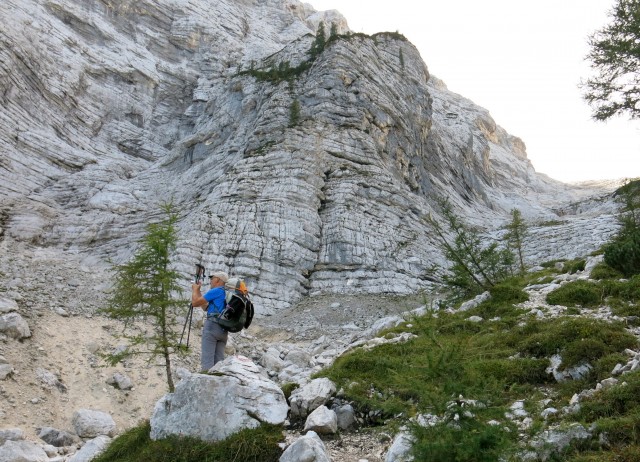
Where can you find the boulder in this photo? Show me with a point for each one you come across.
(235, 396)
(310, 396)
(89, 423)
(57, 438)
(346, 416)
(14, 326)
(22, 451)
(11, 434)
(322, 420)
(7, 305)
(307, 448)
(5, 371)
(91, 449)
(400, 448)
(120, 381)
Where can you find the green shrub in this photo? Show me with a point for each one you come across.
(621, 429)
(604, 271)
(616, 401)
(468, 440)
(576, 339)
(623, 254)
(573, 266)
(288, 388)
(629, 453)
(581, 293)
(508, 292)
(250, 445)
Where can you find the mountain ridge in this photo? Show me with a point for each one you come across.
(111, 109)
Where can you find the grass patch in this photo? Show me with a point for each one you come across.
(493, 363)
(465, 439)
(577, 340)
(574, 293)
(615, 414)
(250, 445)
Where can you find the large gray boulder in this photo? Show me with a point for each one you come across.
(212, 407)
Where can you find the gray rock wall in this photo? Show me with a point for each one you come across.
(111, 109)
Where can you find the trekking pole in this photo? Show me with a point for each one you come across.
(199, 276)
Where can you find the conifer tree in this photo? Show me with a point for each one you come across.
(623, 252)
(476, 263)
(516, 233)
(333, 33)
(142, 296)
(320, 41)
(615, 55)
(294, 113)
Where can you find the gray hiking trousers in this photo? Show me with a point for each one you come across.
(214, 340)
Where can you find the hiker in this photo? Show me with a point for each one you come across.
(214, 337)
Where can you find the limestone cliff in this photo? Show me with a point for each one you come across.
(303, 172)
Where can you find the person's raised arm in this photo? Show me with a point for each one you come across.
(196, 297)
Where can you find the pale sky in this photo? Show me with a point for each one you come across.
(522, 61)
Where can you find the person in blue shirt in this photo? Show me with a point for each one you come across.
(214, 337)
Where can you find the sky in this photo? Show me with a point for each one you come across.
(522, 61)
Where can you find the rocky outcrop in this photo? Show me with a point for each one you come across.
(213, 407)
(303, 174)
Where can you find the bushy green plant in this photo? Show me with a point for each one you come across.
(623, 252)
(577, 340)
(249, 445)
(508, 292)
(580, 292)
(573, 266)
(604, 271)
(476, 265)
(464, 440)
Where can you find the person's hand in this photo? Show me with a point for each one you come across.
(196, 286)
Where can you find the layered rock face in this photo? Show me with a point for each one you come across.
(302, 174)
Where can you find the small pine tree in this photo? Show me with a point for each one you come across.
(333, 33)
(516, 233)
(320, 41)
(294, 113)
(143, 291)
(475, 267)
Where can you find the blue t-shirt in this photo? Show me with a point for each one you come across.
(215, 297)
